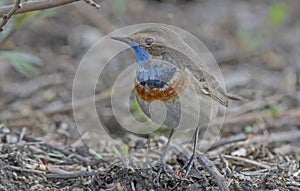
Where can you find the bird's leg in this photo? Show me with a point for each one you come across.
(162, 164)
(192, 159)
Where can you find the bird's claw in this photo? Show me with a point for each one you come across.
(188, 166)
(161, 169)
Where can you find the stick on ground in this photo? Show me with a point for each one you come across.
(212, 170)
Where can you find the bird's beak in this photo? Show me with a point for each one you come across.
(127, 40)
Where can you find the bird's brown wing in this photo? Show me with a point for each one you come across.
(208, 85)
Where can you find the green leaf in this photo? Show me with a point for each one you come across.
(126, 150)
(277, 14)
(94, 153)
(249, 129)
(273, 111)
(22, 62)
(117, 152)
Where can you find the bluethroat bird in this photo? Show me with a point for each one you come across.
(165, 74)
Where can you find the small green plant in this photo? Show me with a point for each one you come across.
(273, 111)
(26, 64)
(95, 154)
(137, 112)
(277, 14)
(117, 152)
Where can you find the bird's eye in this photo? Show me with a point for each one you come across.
(149, 41)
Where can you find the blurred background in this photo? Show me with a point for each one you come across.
(256, 44)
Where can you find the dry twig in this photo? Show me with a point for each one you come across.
(7, 16)
(35, 5)
(249, 161)
(212, 169)
(23, 170)
(6, 12)
(229, 140)
(91, 2)
(73, 175)
(264, 171)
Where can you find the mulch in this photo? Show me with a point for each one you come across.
(243, 164)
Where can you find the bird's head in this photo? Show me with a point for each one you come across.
(155, 78)
(150, 42)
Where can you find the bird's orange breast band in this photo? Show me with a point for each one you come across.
(173, 90)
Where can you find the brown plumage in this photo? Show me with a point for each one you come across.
(169, 69)
(170, 47)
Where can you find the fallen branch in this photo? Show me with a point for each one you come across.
(212, 170)
(34, 6)
(6, 12)
(249, 161)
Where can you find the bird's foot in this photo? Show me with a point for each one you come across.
(188, 166)
(162, 168)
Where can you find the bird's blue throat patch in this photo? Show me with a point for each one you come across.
(141, 54)
(154, 75)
